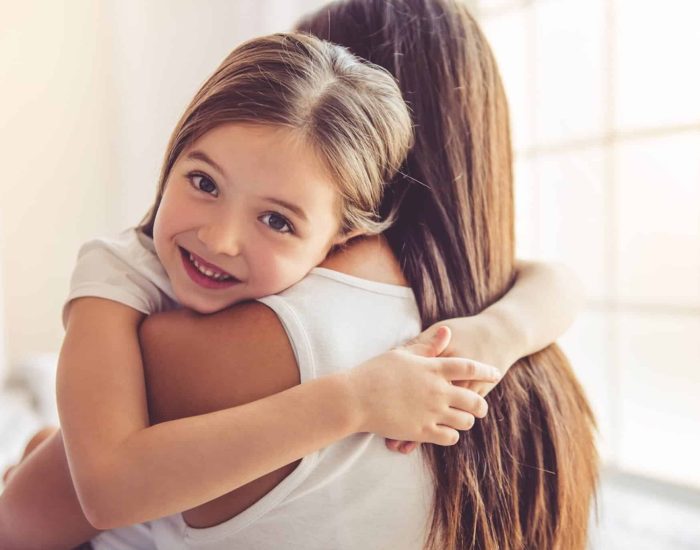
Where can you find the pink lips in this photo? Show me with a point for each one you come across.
(200, 278)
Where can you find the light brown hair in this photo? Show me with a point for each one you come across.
(348, 110)
(525, 476)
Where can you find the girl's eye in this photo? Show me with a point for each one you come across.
(277, 222)
(204, 184)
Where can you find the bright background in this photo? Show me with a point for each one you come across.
(606, 124)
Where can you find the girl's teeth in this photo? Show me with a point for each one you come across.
(208, 272)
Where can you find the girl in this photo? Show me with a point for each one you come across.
(280, 157)
(179, 248)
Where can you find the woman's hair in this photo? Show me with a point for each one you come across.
(350, 111)
(523, 477)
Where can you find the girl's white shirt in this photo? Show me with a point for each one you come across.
(352, 494)
(125, 269)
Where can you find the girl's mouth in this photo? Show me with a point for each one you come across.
(205, 274)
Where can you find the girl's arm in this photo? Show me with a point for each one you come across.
(540, 306)
(538, 309)
(126, 472)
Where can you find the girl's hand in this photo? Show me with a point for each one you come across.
(414, 399)
(471, 337)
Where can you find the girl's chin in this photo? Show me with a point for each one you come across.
(202, 305)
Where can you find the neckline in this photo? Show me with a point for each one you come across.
(367, 284)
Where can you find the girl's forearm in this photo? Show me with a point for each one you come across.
(206, 455)
(541, 305)
(39, 507)
(537, 310)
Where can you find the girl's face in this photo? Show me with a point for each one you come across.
(247, 211)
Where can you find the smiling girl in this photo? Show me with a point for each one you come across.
(280, 157)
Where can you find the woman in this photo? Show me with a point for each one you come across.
(454, 230)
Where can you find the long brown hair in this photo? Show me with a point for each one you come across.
(525, 476)
(350, 111)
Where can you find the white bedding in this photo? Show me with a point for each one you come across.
(18, 422)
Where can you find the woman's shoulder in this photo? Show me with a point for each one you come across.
(240, 354)
(368, 258)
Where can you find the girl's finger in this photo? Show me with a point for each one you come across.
(459, 420)
(444, 435)
(403, 447)
(468, 401)
(454, 368)
(439, 340)
(431, 342)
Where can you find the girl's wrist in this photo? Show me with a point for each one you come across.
(345, 402)
(488, 337)
(504, 340)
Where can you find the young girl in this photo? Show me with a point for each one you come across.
(280, 157)
(311, 415)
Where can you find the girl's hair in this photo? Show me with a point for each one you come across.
(350, 111)
(523, 477)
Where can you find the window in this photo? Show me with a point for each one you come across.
(606, 129)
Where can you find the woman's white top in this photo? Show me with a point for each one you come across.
(354, 494)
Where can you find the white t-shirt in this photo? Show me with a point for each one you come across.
(353, 494)
(124, 269)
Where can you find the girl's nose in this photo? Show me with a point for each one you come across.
(221, 238)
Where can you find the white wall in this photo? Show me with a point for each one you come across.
(90, 92)
(55, 158)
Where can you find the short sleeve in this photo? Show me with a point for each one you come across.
(121, 270)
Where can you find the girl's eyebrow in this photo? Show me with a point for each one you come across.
(200, 155)
(289, 206)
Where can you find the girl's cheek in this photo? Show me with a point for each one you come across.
(172, 212)
(270, 271)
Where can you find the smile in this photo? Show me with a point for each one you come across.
(205, 274)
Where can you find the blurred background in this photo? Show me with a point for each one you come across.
(605, 109)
